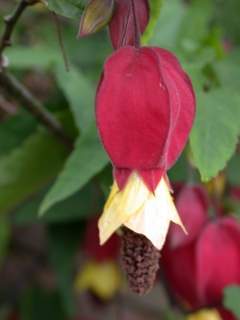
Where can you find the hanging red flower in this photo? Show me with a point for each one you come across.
(199, 271)
(145, 107)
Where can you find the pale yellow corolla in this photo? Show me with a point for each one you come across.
(140, 210)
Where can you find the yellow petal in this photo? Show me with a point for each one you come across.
(140, 210)
(103, 279)
(154, 219)
(121, 205)
(206, 314)
(164, 196)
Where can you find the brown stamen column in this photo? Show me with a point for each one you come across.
(140, 261)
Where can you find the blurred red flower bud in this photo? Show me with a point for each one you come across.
(235, 193)
(218, 259)
(13, 316)
(199, 271)
(96, 15)
(108, 251)
(145, 107)
(226, 315)
(123, 26)
(192, 204)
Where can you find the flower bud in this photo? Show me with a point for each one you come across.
(199, 271)
(218, 259)
(95, 16)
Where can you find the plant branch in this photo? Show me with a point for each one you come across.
(10, 23)
(12, 86)
(60, 41)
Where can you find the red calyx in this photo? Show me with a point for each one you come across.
(145, 107)
(129, 21)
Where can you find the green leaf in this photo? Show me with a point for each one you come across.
(215, 132)
(105, 180)
(28, 168)
(231, 299)
(80, 94)
(14, 130)
(232, 170)
(180, 171)
(168, 24)
(227, 16)
(38, 56)
(228, 71)
(195, 25)
(86, 202)
(5, 234)
(66, 8)
(86, 161)
(155, 9)
(38, 304)
(64, 241)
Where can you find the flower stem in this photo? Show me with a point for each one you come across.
(137, 33)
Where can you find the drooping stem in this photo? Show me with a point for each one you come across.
(12, 86)
(10, 23)
(137, 33)
(60, 41)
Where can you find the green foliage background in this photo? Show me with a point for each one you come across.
(41, 182)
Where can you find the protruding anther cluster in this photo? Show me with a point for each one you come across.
(140, 261)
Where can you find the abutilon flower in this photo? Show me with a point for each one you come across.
(198, 271)
(145, 106)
